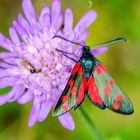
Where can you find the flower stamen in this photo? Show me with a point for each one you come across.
(29, 66)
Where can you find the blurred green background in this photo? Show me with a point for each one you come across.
(116, 18)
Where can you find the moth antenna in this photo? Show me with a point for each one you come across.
(57, 36)
(96, 45)
(111, 42)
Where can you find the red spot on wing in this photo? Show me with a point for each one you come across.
(99, 71)
(93, 91)
(65, 107)
(71, 82)
(116, 105)
(82, 90)
(80, 71)
(84, 83)
(103, 67)
(111, 82)
(76, 68)
(74, 91)
(119, 97)
(107, 90)
(64, 98)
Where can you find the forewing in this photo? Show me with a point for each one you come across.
(73, 94)
(112, 96)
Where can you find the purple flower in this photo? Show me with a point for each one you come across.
(32, 66)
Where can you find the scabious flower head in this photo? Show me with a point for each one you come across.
(32, 66)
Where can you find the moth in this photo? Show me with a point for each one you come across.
(91, 78)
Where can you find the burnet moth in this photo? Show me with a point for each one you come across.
(90, 77)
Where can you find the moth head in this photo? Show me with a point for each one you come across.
(86, 49)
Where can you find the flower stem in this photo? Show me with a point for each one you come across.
(98, 135)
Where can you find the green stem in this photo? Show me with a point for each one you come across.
(98, 135)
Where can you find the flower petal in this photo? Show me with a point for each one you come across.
(46, 23)
(67, 121)
(34, 112)
(42, 19)
(44, 110)
(17, 94)
(68, 20)
(5, 42)
(7, 55)
(45, 10)
(85, 21)
(59, 22)
(29, 11)
(82, 36)
(24, 24)
(3, 73)
(78, 51)
(12, 61)
(5, 82)
(14, 36)
(20, 30)
(55, 12)
(4, 98)
(5, 65)
(99, 51)
(26, 97)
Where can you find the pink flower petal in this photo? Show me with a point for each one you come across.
(44, 110)
(3, 73)
(45, 11)
(85, 21)
(23, 23)
(4, 98)
(12, 61)
(34, 112)
(59, 22)
(99, 51)
(7, 55)
(5, 65)
(17, 94)
(67, 121)
(55, 12)
(5, 82)
(14, 36)
(29, 11)
(46, 22)
(5, 42)
(26, 97)
(68, 20)
(20, 30)
(83, 36)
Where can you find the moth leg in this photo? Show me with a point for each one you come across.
(69, 55)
